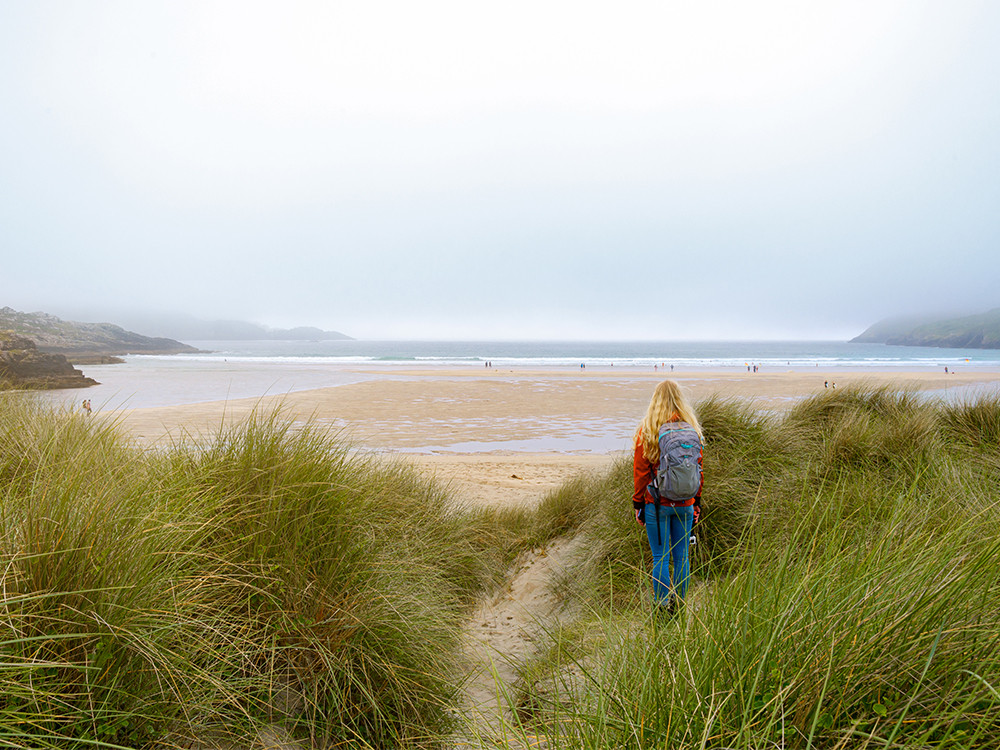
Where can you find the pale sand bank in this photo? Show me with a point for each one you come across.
(509, 436)
(520, 479)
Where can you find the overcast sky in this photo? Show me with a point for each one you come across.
(542, 169)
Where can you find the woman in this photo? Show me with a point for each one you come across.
(669, 527)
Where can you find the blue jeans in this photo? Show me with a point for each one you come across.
(675, 531)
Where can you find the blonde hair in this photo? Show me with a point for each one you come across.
(668, 402)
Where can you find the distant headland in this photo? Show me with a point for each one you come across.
(38, 350)
(189, 328)
(84, 343)
(980, 331)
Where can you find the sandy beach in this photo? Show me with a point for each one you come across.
(510, 435)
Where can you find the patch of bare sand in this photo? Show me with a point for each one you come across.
(520, 480)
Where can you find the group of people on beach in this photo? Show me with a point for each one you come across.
(86, 405)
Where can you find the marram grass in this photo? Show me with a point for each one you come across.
(846, 592)
(159, 599)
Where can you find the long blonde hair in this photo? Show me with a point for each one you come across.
(667, 403)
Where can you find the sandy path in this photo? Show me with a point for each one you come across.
(501, 636)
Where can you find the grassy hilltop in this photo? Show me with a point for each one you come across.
(970, 332)
(271, 583)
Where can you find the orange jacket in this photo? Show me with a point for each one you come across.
(642, 476)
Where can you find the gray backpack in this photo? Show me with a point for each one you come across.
(678, 476)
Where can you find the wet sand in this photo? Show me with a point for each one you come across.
(509, 436)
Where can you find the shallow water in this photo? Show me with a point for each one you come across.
(142, 382)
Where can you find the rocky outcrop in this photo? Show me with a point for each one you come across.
(23, 366)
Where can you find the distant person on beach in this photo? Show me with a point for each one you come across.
(668, 527)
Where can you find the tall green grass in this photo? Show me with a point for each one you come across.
(270, 576)
(845, 588)
(847, 591)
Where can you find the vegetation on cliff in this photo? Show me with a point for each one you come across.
(980, 331)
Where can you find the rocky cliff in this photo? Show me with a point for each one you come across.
(84, 342)
(23, 366)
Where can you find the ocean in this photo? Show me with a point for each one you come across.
(691, 355)
(226, 370)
